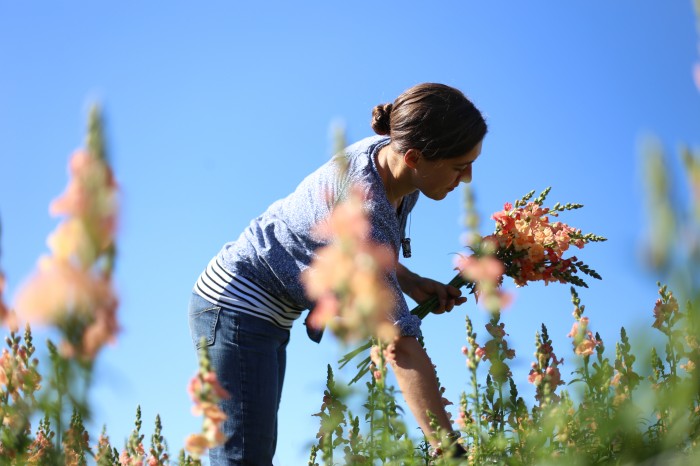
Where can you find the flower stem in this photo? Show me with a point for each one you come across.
(422, 310)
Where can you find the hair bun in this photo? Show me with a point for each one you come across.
(381, 119)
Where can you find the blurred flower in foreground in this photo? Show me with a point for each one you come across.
(486, 272)
(206, 393)
(665, 312)
(71, 288)
(4, 310)
(347, 277)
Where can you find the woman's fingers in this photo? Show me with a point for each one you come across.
(447, 296)
(442, 297)
(455, 298)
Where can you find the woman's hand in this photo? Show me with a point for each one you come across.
(421, 288)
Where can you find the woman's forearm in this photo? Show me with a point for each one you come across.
(416, 377)
(406, 278)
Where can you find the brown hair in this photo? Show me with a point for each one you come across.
(434, 118)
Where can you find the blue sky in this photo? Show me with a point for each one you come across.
(216, 109)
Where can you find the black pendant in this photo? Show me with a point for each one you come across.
(406, 247)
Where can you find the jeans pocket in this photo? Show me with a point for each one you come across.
(203, 318)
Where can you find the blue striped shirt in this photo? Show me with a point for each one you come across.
(271, 253)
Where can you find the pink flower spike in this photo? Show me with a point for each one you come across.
(327, 308)
(213, 381)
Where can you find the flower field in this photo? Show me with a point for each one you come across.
(622, 398)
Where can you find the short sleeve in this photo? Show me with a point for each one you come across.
(407, 324)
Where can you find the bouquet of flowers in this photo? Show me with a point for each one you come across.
(526, 246)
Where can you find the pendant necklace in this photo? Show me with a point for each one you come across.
(406, 242)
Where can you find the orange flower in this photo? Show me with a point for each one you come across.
(663, 311)
(100, 332)
(213, 433)
(71, 240)
(72, 287)
(534, 377)
(330, 270)
(213, 381)
(347, 276)
(479, 269)
(58, 287)
(90, 191)
(196, 444)
(584, 342)
(688, 367)
(4, 311)
(325, 310)
(347, 220)
(206, 392)
(527, 228)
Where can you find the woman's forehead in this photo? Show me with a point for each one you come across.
(469, 157)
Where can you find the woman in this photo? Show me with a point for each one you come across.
(246, 300)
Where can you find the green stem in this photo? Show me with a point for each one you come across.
(348, 357)
(501, 408)
(672, 353)
(371, 408)
(428, 306)
(477, 416)
(422, 310)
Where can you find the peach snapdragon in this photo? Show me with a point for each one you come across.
(533, 247)
(71, 287)
(347, 278)
(665, 312)
(583, 340)
(206, 393)
(4, 309)
(545, 374)
(486, 272)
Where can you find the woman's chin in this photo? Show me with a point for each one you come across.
(437, 196)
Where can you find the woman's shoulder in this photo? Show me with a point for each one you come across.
(367, 145)
(360, 155)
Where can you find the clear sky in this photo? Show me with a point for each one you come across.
(215, 109)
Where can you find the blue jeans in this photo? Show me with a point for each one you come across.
(249, 356)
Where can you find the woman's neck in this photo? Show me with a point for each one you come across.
(394, 174)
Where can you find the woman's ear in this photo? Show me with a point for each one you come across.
(411, 158)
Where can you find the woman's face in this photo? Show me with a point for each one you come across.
(435, 179)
